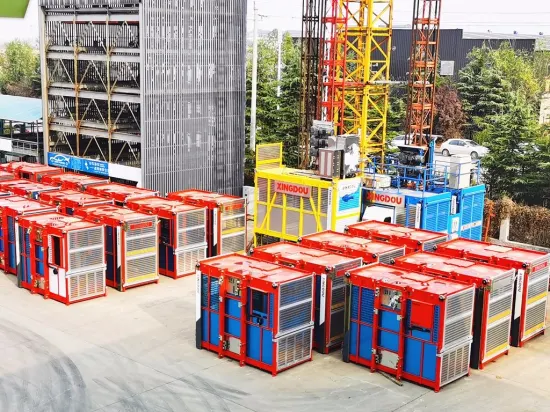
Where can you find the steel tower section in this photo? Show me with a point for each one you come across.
(155, 89)
(423, 71)
(357, 70)
(311, 43)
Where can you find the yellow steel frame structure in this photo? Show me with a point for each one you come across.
(366, 53)
(321, 207)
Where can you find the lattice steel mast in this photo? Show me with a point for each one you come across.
(423, 72)
(312, 36)
(356, 69)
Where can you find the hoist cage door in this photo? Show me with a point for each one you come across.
(141, 251)
(85, 264)
(190, 240)
(233, 231)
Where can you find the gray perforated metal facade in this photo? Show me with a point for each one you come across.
(151, 84)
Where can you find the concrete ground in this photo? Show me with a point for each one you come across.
(134, 352)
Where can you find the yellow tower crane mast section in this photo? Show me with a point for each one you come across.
(356, 71)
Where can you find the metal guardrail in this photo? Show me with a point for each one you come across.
(25, 148)
(425, 178)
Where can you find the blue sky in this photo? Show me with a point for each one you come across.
(499, 16)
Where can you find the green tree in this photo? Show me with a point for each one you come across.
(397, 113)
(20, 70)
(276, 116)
(289, 102)
(484, 90)
(514, 166)
(517, 67)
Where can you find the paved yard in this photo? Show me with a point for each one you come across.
(134, 352)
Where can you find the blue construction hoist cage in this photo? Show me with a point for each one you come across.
(441, 196)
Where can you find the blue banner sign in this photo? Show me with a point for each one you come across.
(95, 167)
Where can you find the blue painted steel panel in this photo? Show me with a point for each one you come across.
(232, 308)
(27, 273)
(1, 239)
(436, 324)
(267, 347)
(294, 293)
(204, 291)
(472, 201)
(233, 327)
(11, 246)
(388, 320)
(214, 295)
(162, 256)
(271, 309)
(424, 335)
(353, 343)
(39, 253)
(367, 305)
(214, 329)
(204, 325)
(170, 252)
(355, 302)
(389, 341)
(365, 342)
(253, 334)
(413, 355)
(429, 362)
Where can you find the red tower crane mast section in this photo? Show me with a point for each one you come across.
(423, 72)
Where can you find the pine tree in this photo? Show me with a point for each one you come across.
(483, 89)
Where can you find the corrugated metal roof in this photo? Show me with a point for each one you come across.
(20, 109)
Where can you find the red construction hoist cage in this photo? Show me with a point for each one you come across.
(70, 200)
(182, 234)
(226, 225)
(6, 176)
(13, 166)
(73, 181)
(12, 209)
(37, 173)
(120, 193)
(411, 325)
(329, 270)
(493, 299)
(255, 312)
(531, 283)
(131, 245)
(369, 250)
(30, 190)
(62, 257)
(414, 240)
(423, 72)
